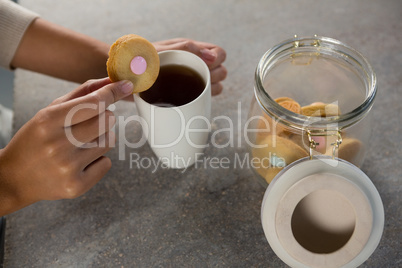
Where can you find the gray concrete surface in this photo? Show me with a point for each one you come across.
(6, 88)
(203, 217)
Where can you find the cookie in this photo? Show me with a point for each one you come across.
(320, 109)
(350, 149)
(269, 124)
(269, 173)
(289, 103)
(133, 58)
(265, 125)
(299, 137)
(277, 153)
(281, 99)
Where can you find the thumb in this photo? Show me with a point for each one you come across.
(101, 98)
(114, 92)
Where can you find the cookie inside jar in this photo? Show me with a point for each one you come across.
(310, 100)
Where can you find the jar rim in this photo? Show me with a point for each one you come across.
(298, 121)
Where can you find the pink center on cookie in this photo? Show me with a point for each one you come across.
(138, 65)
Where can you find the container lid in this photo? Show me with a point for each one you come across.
(322, 212)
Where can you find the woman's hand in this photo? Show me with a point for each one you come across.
(213, 56)
(59, 152)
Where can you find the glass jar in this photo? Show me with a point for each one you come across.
(312, 97)
(309, 128)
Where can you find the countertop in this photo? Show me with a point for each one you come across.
(204, 216)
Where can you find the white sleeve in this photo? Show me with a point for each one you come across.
(14, 21)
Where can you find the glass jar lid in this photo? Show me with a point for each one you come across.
(322, 211)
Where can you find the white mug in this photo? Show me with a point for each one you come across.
(178, 135)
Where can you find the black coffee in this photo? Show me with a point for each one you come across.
(176, 85)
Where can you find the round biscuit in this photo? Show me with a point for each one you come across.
(123, 51)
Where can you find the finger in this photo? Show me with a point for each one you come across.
(186, 45)
(220, 57)
(174, 41)
(129, 98)
(93, 128)
(83, 108)
(91, 175)
(218, 74)
(216, 89)
(212, 54)
(82, 90)
(191, 46)
(168, 42)
(95, 149)
(89, 87)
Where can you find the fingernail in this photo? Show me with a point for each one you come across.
(126, 86)
(208, 54)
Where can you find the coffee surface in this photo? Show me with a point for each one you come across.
(176, 85)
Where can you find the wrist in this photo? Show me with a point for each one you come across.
(9, 196)
(101, 55)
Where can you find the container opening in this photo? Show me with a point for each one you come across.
(323, 221)
(309, 78)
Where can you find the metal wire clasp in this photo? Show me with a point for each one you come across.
(324, 133)
(303, 57)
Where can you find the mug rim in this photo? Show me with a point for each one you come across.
(204, 66)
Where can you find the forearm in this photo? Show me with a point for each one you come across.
(59, 52)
